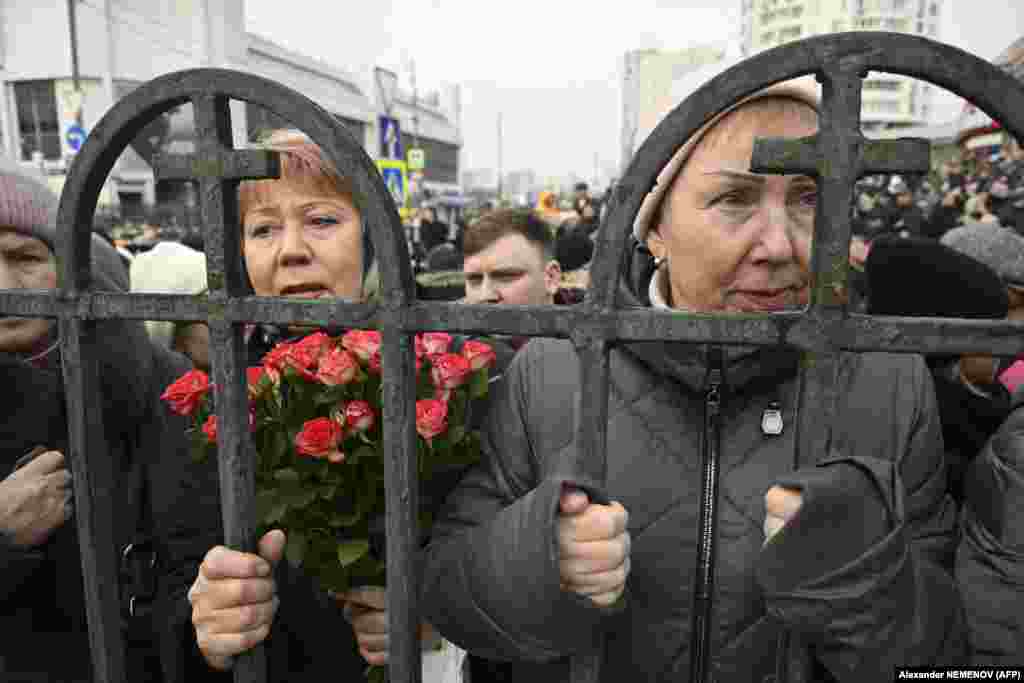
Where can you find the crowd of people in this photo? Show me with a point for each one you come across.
(902, 546)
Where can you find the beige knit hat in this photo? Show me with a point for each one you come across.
(804, 89)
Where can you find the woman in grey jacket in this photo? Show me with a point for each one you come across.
(852, 551)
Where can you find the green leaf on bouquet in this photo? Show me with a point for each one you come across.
(295, 547)
(329, 397)
(351, 551)
(362, 453)
(456, 434)
(478, 385)
(287, 475)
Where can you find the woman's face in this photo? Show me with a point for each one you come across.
(737, 241)
(303, 242)
(25, 263)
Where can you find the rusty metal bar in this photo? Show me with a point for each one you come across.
(218, 199)
(94, 473)
(398, 362)
(589, 466)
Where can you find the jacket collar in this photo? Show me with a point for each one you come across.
(688, 363)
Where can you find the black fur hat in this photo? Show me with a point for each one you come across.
(919, 277)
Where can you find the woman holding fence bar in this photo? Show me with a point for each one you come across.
(42, 603)
(852, 550)
(302, 236)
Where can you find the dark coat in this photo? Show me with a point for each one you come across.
(869, 585)
(43, 604)
(990, 558)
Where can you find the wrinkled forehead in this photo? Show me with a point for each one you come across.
(511, 251)
(735, 133)
(263, 195)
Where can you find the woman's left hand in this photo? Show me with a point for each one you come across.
(781, 505)
(366, 609)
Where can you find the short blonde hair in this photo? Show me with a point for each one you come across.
(302, 163)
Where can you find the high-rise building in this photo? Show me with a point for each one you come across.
(647, 79)
(889, 100)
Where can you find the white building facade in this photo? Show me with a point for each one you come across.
(889, 100)
(123, 43)
(647, 78)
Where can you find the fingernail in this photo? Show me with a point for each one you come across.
(263, 569)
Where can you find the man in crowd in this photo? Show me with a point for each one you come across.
(509, 258)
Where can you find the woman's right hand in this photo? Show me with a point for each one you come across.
(35, 500)
(234, 600)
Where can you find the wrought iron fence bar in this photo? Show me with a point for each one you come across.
(589, 467)
(856, 332)
(218, 201)
(94, 473)
(401, 485)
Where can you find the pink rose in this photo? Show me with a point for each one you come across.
(337, 366)
(187, 392)
(318, 437)
(210, 429)
(450, 370)
(363, 343)
(431, 418)
(313, 346)
(286, 355)
(479, 355)
(436, 343)
(359, 416)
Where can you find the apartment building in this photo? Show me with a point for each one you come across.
(889, 100)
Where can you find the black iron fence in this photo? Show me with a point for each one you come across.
(837, 155)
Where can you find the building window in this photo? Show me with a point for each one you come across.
(899, 5)
(882, 85)
(838, 26)
(933, 9)
(768, 37)
(37, 119)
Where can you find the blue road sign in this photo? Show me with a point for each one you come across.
(395, 174)
(75, 136)
(390, 139)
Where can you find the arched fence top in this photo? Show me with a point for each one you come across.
(201, 87)
(829, 57)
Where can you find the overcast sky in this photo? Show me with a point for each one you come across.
(551, 67)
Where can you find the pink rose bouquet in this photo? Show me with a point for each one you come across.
(315, 414)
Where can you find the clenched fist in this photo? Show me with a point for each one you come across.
(593, 547)
(234, 600)
(35, 499)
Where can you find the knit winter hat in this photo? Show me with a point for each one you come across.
(802, 89)
(28, 206)
(168, 268)
(999, 248)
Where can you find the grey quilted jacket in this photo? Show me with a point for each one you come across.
(862, 574)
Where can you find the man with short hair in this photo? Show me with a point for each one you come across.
(508, 258)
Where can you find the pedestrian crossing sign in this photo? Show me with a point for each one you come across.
(396, 177)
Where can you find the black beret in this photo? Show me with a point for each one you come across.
(920, 277)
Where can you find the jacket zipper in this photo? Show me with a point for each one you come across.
(704, 588)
